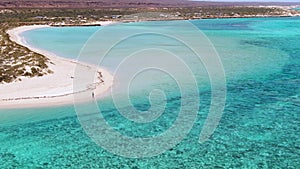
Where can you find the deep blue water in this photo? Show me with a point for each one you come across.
(259, 128)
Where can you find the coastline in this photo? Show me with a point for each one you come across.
(54, 89)
(96, 23)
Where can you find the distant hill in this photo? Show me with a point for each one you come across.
(123, 3)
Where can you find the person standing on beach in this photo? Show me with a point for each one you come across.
(93, 95)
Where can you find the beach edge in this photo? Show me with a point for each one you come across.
(31, 97)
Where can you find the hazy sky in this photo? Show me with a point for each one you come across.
(255, 0)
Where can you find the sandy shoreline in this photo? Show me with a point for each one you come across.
(54, 89)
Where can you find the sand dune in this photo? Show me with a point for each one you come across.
(53, 89)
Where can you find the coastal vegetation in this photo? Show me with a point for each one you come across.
(48, 16)
(17, 62)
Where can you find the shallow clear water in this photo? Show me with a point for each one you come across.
(259, 128)
(297, 9)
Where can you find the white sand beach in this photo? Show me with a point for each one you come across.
(104, 23)
(54, 89)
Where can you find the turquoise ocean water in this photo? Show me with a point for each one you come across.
(259, 128)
